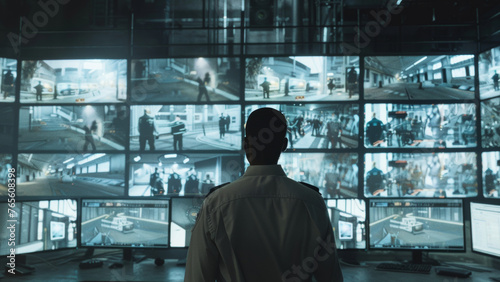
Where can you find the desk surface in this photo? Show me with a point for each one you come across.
(146, 270)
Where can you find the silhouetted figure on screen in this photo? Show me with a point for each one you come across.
(495, 78)
(248, 230)
(266, 88)
(192, 182)
(352, 81)
(89, 139)
(222, 126)
(174, 184)
(374, 130)
(374, 180)
(146, 131)
(202, 90)
(178, 130)
(228, 122)
(156, 183)
(8, 84)
(287, 87)
(39, 90)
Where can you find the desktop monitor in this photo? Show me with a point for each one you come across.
(348, 217)
(184, 212)
(485, 228)
(417, 225)
(38, 226)
(125, 223)
(419, 77)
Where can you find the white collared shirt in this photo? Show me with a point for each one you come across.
(263, 227)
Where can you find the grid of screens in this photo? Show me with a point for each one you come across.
(485, 228)
(417, 224)
(139, 223)
(359, 126)
(38, 226)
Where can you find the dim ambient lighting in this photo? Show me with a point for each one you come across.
(68, 160)
(91, 158)
(138, 158)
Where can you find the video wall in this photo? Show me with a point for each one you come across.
(358, 127)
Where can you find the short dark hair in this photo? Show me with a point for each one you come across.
(268, 128)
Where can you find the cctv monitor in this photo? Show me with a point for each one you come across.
(348, 217)
(491, 174)
(34, 226)
(485, 228)
(318, 126)
(184, 212)
(443, 77)
(185, 80)
(421, 175)
(73, 81)
(97, 174)
(489, 73)
(180, 174)
(302, 78)
(417, 225)
(125, 223)
(490, 127)
(8, 71)
(420, 126)
(185, 127)
(83, 129)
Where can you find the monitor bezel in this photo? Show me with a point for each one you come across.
(492, 203)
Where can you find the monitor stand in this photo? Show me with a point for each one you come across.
(128, 256)
(417, 258)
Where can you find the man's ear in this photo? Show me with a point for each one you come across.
(285, 145)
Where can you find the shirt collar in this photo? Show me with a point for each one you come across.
(263, 170)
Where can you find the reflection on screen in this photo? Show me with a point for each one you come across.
(417, 224)
(485, 228)
(348, 222)
(124, 223)
(39, 226)
(430, 175)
